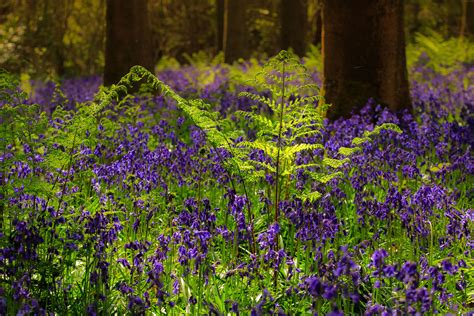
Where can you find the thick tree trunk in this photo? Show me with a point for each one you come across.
(364, 55)
(235, 41)
(294, 25)
(128, 40)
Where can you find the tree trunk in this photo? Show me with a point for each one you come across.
(128, 40)
(364, 55)
(470, 18)
(235, 41)
(294, 25)
(5, 9)
(412, 21)
(467, 19)
(319, 28)
(220, 25)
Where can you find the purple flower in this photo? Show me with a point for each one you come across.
(408, 273)
(378, 257)
(176, 287)
(125, 289)
(448, 267)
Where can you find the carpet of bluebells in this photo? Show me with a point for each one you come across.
(139, 217)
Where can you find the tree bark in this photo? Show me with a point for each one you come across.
(235, 41)
(364, 55)
(220, 25)
(128, 40)
(412, 11)
(5, 9)
(467, 19)
(319, 28)
(470, 18)
(294, 25)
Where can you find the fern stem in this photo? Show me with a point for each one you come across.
(249, 210)
(282, 105)
(277, 182)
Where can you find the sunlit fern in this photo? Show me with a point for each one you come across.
(295, 116)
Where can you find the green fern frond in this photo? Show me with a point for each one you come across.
(269, 148)
(323, 177)
(312, 196)
(258, 98)
(264, 122)
(347, 151)
(384, 126)
(265, 165)
(335, 163)
(307, 165)
(289, 151)
(296, 115)
(358, 141)
(305, 134)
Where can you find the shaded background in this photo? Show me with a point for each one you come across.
(50, 39)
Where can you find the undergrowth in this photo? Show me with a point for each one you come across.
(111, 208)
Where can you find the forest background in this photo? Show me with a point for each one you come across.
(51, 39)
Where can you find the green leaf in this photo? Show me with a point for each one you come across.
(312, 196)
(335, 163)
(358, 141)
(346, 151)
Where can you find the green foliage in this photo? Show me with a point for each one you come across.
(285, 91)
(429, 49)
(314, 58)
(240, 74)
(9, 88)
(357, 141)
(440, 54)
(287, 123)
(292, 101)
(23, 127)
(48, 39)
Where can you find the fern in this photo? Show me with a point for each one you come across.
(292, 99)
(367, 136)
(440, 54)
(295, 109)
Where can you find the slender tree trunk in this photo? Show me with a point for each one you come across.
(128, 40)
(463, 19)
(235, 41)
(294, 25)
(467, 19)
(470, 18)
(64, 8)
(5, 9)
(220, 25)
(364, 55)
(412, 11)
(319, 28)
